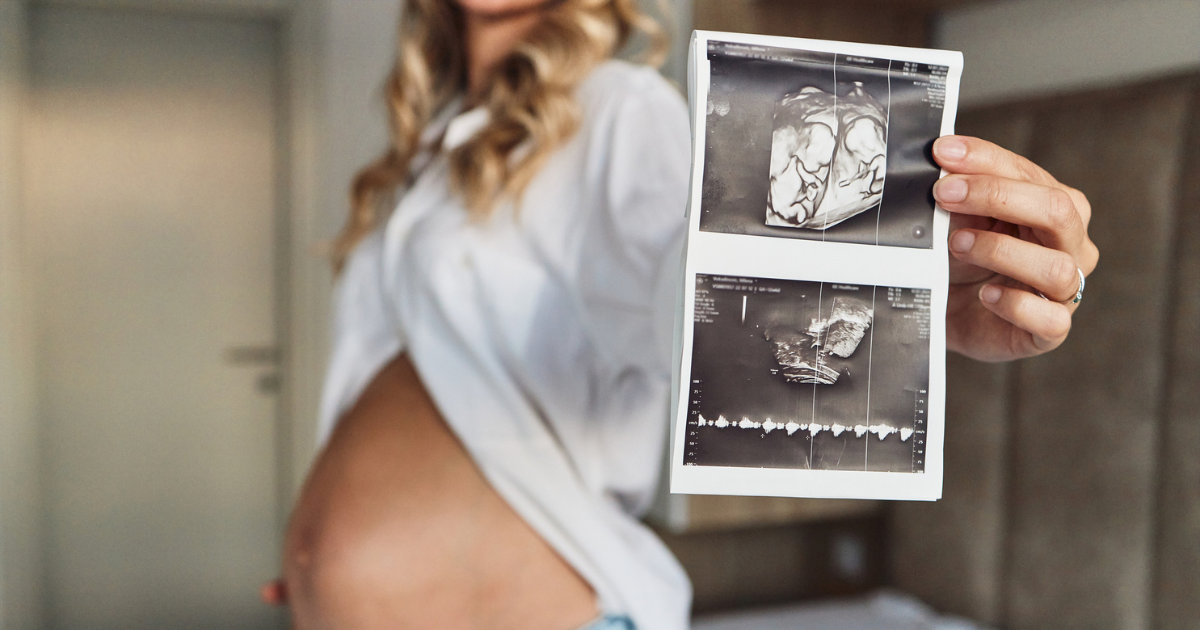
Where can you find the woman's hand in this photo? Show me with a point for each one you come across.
(1015, 232)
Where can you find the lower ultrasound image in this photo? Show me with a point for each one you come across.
(808, 375)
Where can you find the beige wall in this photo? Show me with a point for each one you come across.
(1023, 48)
(20, 567)
(340, 54)
(358, 50)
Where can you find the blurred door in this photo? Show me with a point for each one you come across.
(151, 170)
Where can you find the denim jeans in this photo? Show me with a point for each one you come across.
(610, 622)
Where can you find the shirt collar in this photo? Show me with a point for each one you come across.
(462, 127)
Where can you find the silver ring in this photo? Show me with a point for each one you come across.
(1078, 292)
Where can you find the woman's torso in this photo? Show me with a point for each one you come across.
(539, 332)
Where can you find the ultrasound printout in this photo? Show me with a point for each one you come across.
(811, 349)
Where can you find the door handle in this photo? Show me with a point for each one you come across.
(268, 383)
(253, 355)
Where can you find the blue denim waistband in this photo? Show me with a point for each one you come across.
(611, 622)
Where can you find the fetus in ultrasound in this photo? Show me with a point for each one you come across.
(828, 158)
(805, 356)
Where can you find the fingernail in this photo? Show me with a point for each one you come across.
(990, 294)
(950, 190)
(962, 241)
(950, 148)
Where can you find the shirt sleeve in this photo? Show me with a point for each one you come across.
(632, 256)
(365, 334)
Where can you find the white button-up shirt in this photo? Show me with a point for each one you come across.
(543, 332)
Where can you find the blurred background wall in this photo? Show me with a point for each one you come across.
(1072, 492)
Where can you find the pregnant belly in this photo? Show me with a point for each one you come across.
(396, 528)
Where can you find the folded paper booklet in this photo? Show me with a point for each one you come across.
(811, 354)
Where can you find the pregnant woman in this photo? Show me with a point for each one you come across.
(495, 407)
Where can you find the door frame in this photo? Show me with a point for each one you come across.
(303, 278)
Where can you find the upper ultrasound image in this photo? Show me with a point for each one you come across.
(820, 146)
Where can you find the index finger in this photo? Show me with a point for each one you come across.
(971, 156)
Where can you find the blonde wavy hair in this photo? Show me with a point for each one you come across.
(529, 98)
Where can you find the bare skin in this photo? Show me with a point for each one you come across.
(396, 528)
